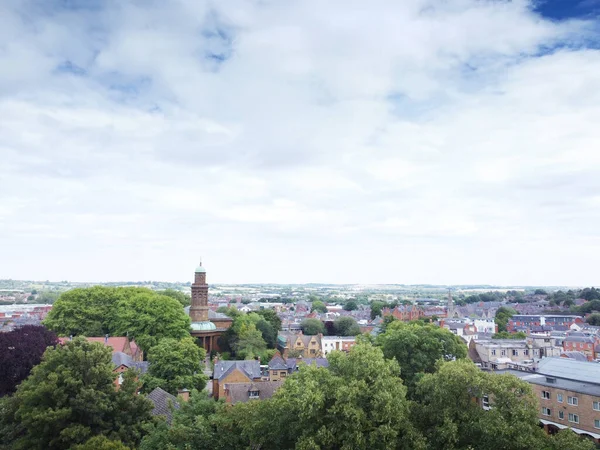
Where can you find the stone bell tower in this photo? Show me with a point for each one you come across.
(199, 306)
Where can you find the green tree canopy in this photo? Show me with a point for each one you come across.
(593, 319)
(418, 347)
(507, 335)
(503, 314)
(318, 306)
(350, 305)
(175, 364)
(70, 397)
(150, 317)
(268, 332)
(101, 443)
(181, 297)
(312, 327)
(270, 316)
(346, 326)
(376, 308)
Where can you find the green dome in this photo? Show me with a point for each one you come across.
(203, 326)
(200, 269)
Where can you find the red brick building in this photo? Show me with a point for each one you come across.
(405, 313)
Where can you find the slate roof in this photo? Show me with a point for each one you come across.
(277, 363)
(164, 403)
(251, 368)
(122, 359)
(577, 356)
(567, 368)
(239, 392)
(294, 363)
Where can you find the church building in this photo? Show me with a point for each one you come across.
(207, 326)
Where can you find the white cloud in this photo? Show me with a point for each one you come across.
(383, 141)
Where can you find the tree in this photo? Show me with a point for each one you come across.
(70, 397)
(567, 439)
(447, 412)
(350, 305)
(346, 326)
(150, 317)
(312, 327)
(88, 311)
(21, 350)
(358, 403)
(376, 308)
(507, 335)
(503, 314)
(318, 306)
(540, 292)
(593, 319)
(181, 297)
(270, 316)
(268, 332)
(175, 364)
(418, 348)
(101, 443)
(250, 342)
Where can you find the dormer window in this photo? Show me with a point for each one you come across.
(253, 394)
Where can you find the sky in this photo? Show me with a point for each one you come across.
(301, 141)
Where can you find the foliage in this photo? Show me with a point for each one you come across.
(588, 307)
(101, 442)
(492, 296)
(346, 326)
(418, 348)
(540, 292)
(567, 439)
(312, 327)
(21, 350)
(268, 332)
(377, 308)
(447, 413)
(150, 317)
(358, 403)
(140, 313)
(590, 294)
(48, 297)
(503, 314)
(318, 306)
(70, 397)
(507, 335)
(350, 305)
(270, 316)
(592, 319)
(181, 297)
(175, 365)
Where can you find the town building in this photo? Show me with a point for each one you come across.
(207, 326)
(342, 343)
(499, 354)
(230, 372)
(245, 392)
(279, 367)
(529, 323)
(568, 393)
(118, 344)
(299, 345)
(404, 313)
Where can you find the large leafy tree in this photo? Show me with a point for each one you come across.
(21, 350)
(175, 364)
(417, 348)
(377, 308)
(270, 316)
(70, 397)
(312, 327)
(88, 311)
(358, 403)
(503, 315)
(149, 317)
(181, 297)
(101, 443)
(447, 410)
(346, 326)
(318, 306)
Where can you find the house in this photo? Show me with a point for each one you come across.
(164, 403)
(498, 354)
(343, 343)
(404, 313)
(228, 372)
(551, 322)
(120, 344)
(279, 368)
(244, 392)
(568, 393)
(124, 362)
(578, 341)
(299, 344)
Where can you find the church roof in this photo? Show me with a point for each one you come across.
(203, 326)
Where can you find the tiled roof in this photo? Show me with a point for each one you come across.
(577, 356)
(164, 403)
(250, 368)
(239, 392)
(277, 363)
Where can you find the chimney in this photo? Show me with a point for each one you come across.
(106, 339)
(183, 394)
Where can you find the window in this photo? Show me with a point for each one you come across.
(573, 418)
(503, 352)
(546, 395)
(572, 401)
(526, 352)
(596, 406)
(546, 411)
(559, 398)
(561, 415)
(596, 423)
(515, 353)
(253, 394)
(485, 402)
(283, 374)
(494, 352)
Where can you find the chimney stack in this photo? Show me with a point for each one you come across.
(183, 394)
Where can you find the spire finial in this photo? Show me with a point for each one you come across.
(200, 261)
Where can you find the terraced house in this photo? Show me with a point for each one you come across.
(299, 345)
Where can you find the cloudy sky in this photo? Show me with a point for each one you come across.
(343, 141)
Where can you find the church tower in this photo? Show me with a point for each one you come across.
(199, 306)
(450, 305)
